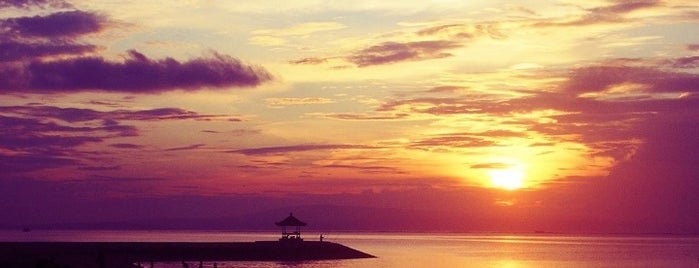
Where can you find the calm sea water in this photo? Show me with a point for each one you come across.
(434, 250)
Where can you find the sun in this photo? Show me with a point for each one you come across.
(509, 178)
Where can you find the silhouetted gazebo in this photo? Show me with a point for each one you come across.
(291, 221)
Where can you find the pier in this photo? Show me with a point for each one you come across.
(126, 254)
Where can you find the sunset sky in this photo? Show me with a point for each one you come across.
(570, 116)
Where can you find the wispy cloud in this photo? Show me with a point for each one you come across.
(433, 42)
(34, 3)
(490, 166)
(601, 78)
(309, 61)
(41, 137)
(613, 13)
(367, 116)
(391, 52)
(298, 148)
(126, 146)
(281, 102)
(186, 148)
(456, 140)
(279, 36)
(83, 115)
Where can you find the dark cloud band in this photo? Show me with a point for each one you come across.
(137, 74)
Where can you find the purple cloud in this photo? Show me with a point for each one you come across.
(30, 44)
(137, 74)
(392, 52)
(73, 115)
(41, 137)
(57, 25)
(599, 78)
(186, 148)
(613, 13)
(309, 61)
(99, 168)
(16, 51)
(40, 144)
(126, 146)
(10, 164)
(27, 38)
(29, 133)
(686, 62)
(34, 3)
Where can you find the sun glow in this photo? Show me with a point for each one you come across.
(510, 178)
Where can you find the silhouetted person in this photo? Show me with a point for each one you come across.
(321, 237)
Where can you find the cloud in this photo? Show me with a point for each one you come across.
(281, 102)
(14, 51)
(446, 89)
(368, 169)
(428, 43)
(392, 52)
(437, 106)
(235, 132)
(34, 3)
(601, 78)
(27, 38)
(276, 37)
(623, 7)
(613, 13)
(685, 62)
(186, 148)
(99, 168)
(693, 47)
(73, 115)
(463, 31)
(456, 140)
(40, 137)
(61, 24)
(490, 166)
(31, 45)
(371, 117)
(30, 144)
(309, 61)
(302, 29)
(126, 146)
(10, 164)
(298, 148)
(137, 74)
(22, 133)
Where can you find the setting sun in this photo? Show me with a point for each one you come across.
(509, 179)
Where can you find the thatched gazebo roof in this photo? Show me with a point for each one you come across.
(290, 221)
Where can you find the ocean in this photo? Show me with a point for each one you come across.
(430, 250)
